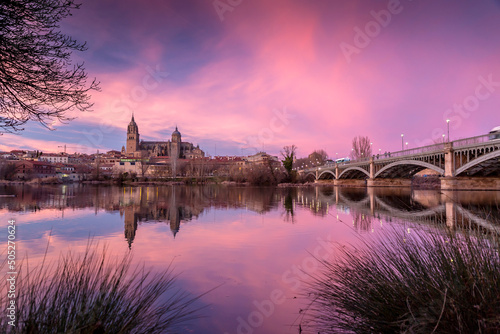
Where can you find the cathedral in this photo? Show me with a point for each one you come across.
(174, 148)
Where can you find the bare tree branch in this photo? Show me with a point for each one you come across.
(361, 148)
(38, 81)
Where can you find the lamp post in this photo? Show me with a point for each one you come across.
(402, 142)
(406, 145)
(448, 123)
(443, 137)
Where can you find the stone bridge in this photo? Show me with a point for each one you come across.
(470, 163)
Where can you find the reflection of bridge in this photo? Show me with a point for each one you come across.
(463, 163)
(406, 205)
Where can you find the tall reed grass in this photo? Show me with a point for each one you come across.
(95, 293)
(418, 283)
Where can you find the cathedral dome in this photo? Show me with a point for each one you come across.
(176, 136)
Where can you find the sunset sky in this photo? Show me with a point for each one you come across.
(240, 76)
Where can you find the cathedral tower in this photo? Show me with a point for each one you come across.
(132, 137)
(176, 143)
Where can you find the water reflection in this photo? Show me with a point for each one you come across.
(250, 241)
(465, 209)
(176, 205)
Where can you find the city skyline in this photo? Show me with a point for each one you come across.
(240, 77)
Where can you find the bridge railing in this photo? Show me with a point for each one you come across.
(471, 141)
(419, 150)
(412, 151)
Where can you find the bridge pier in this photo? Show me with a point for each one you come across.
(372, 169)
(388, 183)
(449, 166)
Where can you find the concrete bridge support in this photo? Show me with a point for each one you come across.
(449, 166)
(372, 169)
(448, 181)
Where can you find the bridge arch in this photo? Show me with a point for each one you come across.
(478, 220)
(477, 161)
(363, 203)
(406, 163)
(327, 172)
(354, 169)
(411, 215)
(309, 174)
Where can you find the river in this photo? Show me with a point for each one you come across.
(252, 248)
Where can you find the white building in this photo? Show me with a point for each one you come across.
(54, 158)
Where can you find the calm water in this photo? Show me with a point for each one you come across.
(252, 245)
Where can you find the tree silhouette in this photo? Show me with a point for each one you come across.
(288, 154)
(38, 81)
(361, 148)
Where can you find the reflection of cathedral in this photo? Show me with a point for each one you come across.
(165, 206)
(174, 148)
(178, 204)
(134, 214)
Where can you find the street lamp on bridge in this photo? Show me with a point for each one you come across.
(448, 123)
(402, 142)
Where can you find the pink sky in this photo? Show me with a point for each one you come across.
(274, 73)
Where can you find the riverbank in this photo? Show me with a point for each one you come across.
(434, 183)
